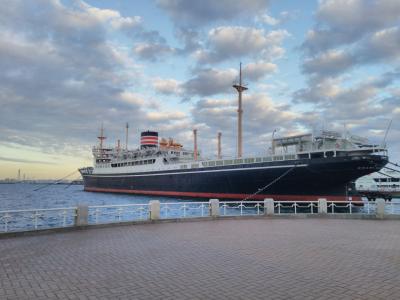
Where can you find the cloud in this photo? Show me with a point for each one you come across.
(152, 52)
(160, 116)
(63, 75)
(267, 19)
(257, 70)
(342, 22)
(195, 13)
(344, 38)
(355, 104)
(20, 160)
(167, 86)
(329, 63)
(226, 42)
(261, 116)
(209, 82)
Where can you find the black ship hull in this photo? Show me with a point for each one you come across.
(290, 180)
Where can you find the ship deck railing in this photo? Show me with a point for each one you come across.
(39, 219)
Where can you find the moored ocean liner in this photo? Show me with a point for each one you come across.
(302, 167)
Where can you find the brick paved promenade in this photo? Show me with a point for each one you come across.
(236, 259)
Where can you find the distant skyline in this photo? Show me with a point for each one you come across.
(69, 66)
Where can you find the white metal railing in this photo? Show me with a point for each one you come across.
(290, 207)
(235, 208)
(184, 209)
(101, 214)
(33, 219)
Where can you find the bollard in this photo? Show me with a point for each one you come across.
(154, 209)
(322, 206)
(82, 215)
(214, 207)
(380, 208)
(269, 209)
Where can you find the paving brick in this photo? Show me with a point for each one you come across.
(223, 259)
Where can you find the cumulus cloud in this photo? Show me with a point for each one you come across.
(329, 63)
(355, 104)
(257, 70)
(152, 52)
(347, 21)
(209, 82)
(226, 42)
(352, 33)
(194, 13)
(261, 117)
(167, 86)
(62, 75)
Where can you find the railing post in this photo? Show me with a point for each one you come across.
(322, 206)
(82, 215)
(214, 207)
(380, 208)
(269, 206)
(154, 209)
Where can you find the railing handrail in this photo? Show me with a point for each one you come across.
(36, 210)
(183, 203)
(118, 205)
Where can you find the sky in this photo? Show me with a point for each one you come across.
(69, 66)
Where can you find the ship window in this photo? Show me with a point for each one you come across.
(279, 157)
(141, 162)
(194, 166)
(183, 166)
(219, 163)
(228, 162)
(267, 158)
(290, 156)
(258, 159)
(238, 161)
(249, 160)
(204, 164)
(211, 163)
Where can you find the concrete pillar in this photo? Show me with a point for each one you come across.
(154, 209)
(214, 207)
(82, 215)
(322, 206)
(269, 206)
(380, 208)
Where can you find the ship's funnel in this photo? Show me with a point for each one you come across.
(148, 139)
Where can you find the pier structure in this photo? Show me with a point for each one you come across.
(247, 258)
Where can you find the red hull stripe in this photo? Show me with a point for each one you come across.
(149, 138)
(226, 196)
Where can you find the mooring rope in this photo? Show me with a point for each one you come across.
(397, 165)
(391, 169)
(271, 183)
(55, 182)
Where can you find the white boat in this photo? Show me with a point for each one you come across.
(383, 184)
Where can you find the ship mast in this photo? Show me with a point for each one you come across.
(126, 136)
(240, 88)
(101, 137)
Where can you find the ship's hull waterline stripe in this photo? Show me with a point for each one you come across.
(355, 199)
(194, 172)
